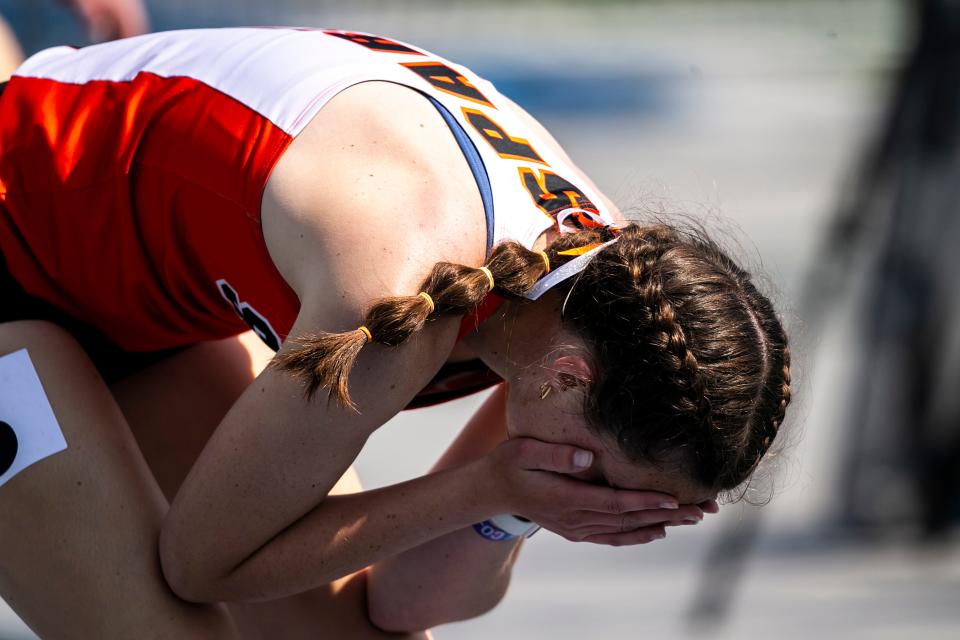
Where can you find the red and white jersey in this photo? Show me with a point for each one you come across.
(131, 172)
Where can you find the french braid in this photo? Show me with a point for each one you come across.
(692, 360)
(667, 333)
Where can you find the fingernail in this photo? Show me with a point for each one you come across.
(692, 520)
(668, 504)
(582, 459)
(659, 536)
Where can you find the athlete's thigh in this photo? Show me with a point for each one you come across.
(338, 610)
(78, 531)
(174, 406)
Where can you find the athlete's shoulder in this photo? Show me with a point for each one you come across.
(376, 189)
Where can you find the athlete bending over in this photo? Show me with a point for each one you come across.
(162, 193)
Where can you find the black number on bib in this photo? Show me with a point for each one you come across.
(259, 324)
(8, 447)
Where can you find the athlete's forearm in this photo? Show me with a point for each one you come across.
(457, 576)
(347, 533)
(454, 577)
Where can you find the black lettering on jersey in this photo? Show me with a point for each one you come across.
(553, 194)
(376, 43)
(447, 80)
(503, 143)
(259, 324)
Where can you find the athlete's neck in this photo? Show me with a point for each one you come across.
(515, 334)
(545, 238)
(518, 335)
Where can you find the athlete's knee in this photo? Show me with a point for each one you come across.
(51, 395)
(37, 336)
(31, 364)
(54, 357)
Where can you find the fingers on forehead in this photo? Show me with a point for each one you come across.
(639, 536)
(641, 518)
(710, 506)
(623, 501)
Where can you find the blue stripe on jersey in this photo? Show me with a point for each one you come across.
(476, 166)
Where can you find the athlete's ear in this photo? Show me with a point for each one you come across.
(568, 372)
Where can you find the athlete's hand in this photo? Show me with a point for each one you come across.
(111, 19)
(529, 477)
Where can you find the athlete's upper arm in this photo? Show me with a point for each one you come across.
(275, 455)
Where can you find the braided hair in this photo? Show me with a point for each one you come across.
(692, 362)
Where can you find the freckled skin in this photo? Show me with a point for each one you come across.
(540, 352)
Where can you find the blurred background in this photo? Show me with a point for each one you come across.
(818, 138)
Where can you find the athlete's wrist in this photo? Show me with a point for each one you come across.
(494, 490)
(491, 501)
(505, 527)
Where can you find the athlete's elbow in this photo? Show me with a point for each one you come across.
(188, 576)
(396, 617)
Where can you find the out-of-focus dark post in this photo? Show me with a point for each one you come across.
(898, 232)
(904, 445)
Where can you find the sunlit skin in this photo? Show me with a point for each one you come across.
(541, 355)
(253, 515)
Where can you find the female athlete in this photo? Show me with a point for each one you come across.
(163, 194)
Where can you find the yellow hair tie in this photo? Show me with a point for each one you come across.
(579, 251)
(366, 332)
(546, 261)
(489, 275)
(426, 296)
